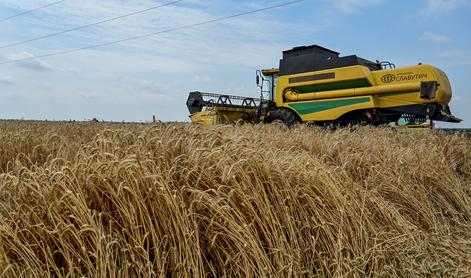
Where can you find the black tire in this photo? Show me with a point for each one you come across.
(285, 116)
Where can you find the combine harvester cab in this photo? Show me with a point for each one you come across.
(314, 84)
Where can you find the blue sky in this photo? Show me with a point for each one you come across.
(134, 80)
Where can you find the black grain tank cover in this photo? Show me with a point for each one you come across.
(314, 58)
(313, 49)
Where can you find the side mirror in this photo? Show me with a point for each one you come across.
(258, 80)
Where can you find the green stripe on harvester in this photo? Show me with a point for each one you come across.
(313, 107)
(351, 84)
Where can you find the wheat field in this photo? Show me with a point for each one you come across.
(123, 200)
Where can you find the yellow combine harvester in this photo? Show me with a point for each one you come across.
(314, 84)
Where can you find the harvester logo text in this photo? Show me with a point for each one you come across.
(388, 78)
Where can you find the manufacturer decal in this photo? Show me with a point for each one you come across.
(388, 78)
(409, 76)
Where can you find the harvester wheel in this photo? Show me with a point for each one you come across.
(284, 116)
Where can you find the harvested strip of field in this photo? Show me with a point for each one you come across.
(252, 201)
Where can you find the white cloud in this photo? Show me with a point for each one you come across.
(201, 78)
(6, 79)
(138, 78)
(450, 54)
(456, 57)
(434, 37)
(241, 34)
(440, 6)
(30, 61)
(352, 6)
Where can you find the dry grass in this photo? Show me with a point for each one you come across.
(99, 200)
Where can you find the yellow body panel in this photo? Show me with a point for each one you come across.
(394, 100)
(341, 74)
(383, 88)
(419, 73)
(292, 95)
